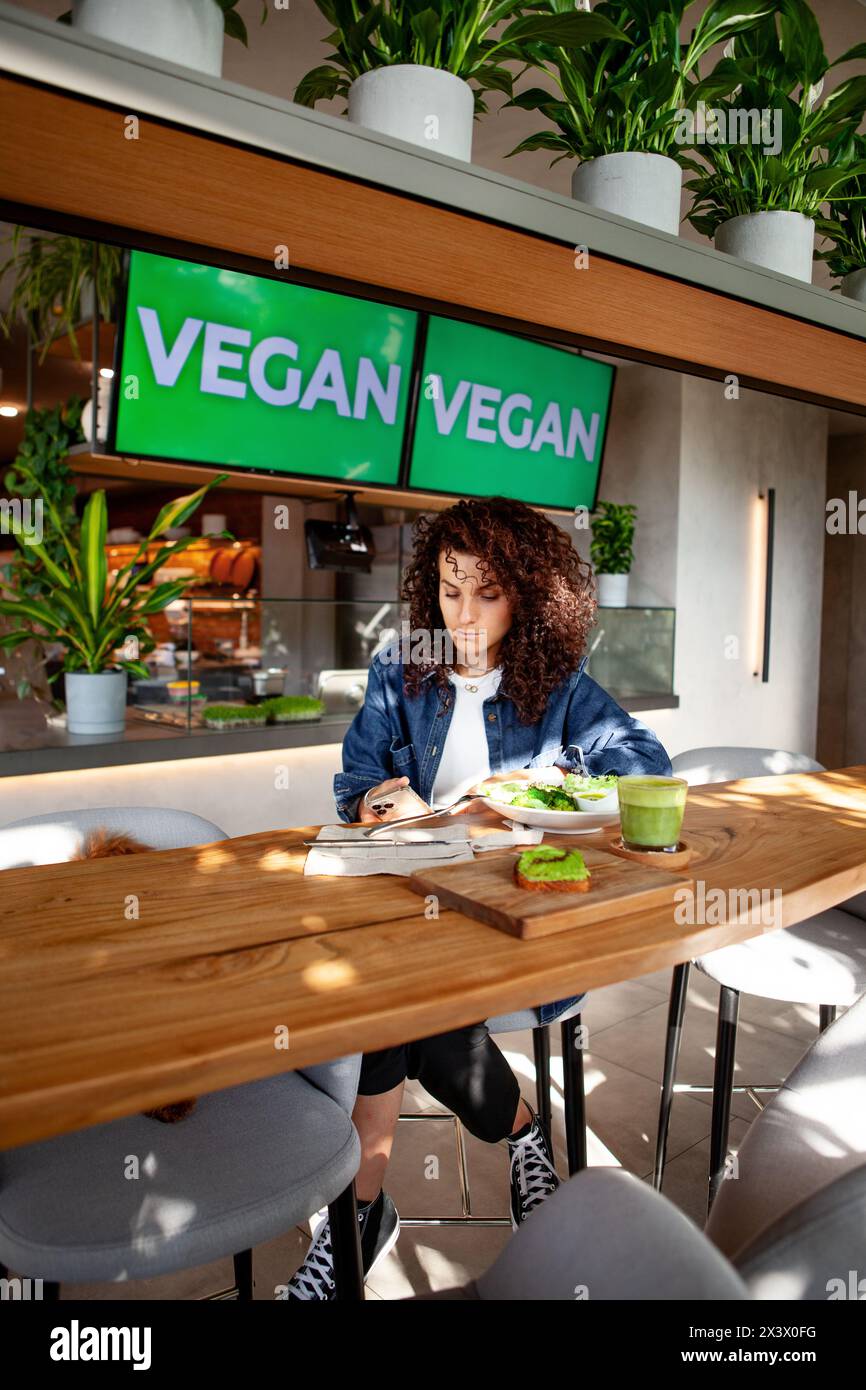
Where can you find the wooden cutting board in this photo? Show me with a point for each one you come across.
(486, 890)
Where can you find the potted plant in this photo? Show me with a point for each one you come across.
(189, 32)
(101, 626)
(405, 68)
(845, 228)
(618, 100)
(759, 199)
(612, 551)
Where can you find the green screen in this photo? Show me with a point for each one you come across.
(501, 414)
(227, 368)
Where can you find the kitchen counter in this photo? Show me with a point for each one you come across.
(29, 745)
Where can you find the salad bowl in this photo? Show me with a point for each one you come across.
(564, 803)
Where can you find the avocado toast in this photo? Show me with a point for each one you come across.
(551, 869)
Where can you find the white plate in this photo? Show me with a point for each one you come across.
(561, 822)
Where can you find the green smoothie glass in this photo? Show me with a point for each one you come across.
(651, 812)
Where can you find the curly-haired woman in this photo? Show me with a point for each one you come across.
(500, 606)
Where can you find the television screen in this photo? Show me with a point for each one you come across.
(502, 414)
(221, 367)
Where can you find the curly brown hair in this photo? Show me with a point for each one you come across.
(550, 588)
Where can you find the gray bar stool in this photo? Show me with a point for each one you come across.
(821, 961)
(791, 1227)
(574, 1098)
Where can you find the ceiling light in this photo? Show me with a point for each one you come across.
(10, 411)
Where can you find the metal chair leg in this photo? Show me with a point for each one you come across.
(574, 1095)
(676, 1010)
(541, 1048)
(723, 1081)
(462, 1169)
(827, 1016)
(243, 1263)
(346, 1246)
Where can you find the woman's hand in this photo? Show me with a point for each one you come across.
(364, 812)
(520, 774)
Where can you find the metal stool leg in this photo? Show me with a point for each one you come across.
(541, 1047)
(243, 1263)
(676, 1010)
(346, 1245)
(827, 1016)
(723, 1082)
(575, 1098)
(462, 1169)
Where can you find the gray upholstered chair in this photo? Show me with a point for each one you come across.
(821, 962)
(574, 1099)
(244, 1167)
(791, 1223)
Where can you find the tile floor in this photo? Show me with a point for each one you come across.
(623, 1067)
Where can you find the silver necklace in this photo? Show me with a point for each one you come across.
(473, 689)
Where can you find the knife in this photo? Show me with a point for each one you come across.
(386, 844)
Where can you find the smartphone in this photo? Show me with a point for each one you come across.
(398, 804)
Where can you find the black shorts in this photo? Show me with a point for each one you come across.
(464, 1070)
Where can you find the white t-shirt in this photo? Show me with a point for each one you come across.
(465, 759)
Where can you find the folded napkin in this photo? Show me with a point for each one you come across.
(416, 848)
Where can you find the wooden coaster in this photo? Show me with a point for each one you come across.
(657, 858)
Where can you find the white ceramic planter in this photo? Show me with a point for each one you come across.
(189, 32)
(782, 241)
(854, 285)
(645, 187)
(612, 590)
(95, 704)
(428, 106)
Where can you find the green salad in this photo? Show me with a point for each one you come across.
(546, 796)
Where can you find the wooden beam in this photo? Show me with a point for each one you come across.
(72, 157)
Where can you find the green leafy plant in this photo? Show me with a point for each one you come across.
(623, 92)
(41, 471)
(612, 547)
(232, 23)
(86, 615)
(283, 709)
(49, 275)
(845, 228)
(453, 35)
(779, 67)
(225, 716)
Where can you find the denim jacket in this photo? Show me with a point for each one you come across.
(395, 735)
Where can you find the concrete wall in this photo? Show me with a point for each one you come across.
(642, 465)
(842, 706)
(729, 449)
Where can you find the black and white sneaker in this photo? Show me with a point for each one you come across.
(533, 1175)
(314, 1279)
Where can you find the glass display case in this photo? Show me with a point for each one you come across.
(248, 653)
(631, 651)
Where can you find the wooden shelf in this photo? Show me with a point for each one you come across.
(83, 334)
(62, 159)
(149, 470)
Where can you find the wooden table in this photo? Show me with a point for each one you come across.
(104, 1013)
